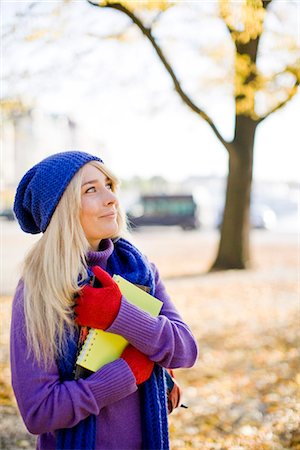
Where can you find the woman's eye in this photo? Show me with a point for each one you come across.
(89, 189)
(109, 185)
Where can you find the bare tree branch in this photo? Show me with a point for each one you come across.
(117, 35)
(281, 104)
(266, 3)
(186, 99)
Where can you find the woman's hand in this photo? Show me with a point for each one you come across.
(97, 307)
(140, 365)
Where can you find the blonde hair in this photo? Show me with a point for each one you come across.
(51, 270)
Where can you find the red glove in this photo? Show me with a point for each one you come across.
(97, 307)
(140, 364)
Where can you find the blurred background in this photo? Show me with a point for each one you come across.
(78, 76)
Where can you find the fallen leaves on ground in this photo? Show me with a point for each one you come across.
(243, 393)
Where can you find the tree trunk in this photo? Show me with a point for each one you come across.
(233, 251)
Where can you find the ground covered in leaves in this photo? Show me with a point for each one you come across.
(243, 393)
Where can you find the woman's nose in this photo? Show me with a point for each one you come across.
(111, 198)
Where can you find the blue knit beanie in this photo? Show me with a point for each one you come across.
(41, 188)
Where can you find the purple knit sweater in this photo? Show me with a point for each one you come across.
(47, 404)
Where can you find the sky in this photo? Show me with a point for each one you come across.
(176, 144)
(121, 96)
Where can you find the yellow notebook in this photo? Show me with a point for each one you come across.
(101, 347)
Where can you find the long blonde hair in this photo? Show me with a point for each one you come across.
(51, 270)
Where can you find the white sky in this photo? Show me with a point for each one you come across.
(176, 143)
(121, 95)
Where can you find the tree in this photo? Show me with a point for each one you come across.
(245, 23)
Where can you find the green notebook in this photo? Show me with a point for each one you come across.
(101, 347)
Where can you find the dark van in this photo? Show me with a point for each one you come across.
(151, 210)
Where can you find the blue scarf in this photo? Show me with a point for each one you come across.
(127, 261)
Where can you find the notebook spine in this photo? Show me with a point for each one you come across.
(86, 348)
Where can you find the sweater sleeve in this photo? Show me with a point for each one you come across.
(46, 403)
(166, 339)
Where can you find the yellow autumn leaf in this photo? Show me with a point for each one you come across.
(244, 18)
(36, 34)
(133, 6)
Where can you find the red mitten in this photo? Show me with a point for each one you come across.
(97, 307)
(140, 364)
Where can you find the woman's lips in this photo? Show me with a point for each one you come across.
(109, 215)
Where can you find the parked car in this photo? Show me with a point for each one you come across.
(261, 217)
(7, 213)
(167, 210)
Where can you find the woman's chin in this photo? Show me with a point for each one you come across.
(108, 232)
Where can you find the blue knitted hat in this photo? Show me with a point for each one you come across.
(42, 186)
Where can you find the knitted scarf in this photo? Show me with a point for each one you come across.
(127, 261)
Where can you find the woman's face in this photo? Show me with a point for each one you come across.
(98, 214)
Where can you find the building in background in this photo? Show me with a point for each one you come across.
(29, 135)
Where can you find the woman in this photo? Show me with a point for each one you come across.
(71, 198)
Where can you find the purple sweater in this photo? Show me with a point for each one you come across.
(46, 404)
